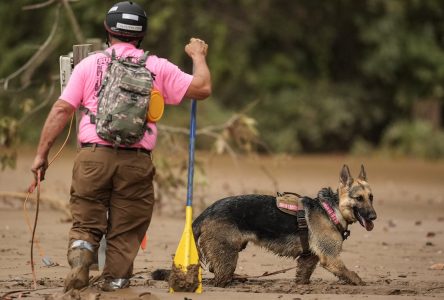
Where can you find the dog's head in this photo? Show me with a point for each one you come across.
(356, 198)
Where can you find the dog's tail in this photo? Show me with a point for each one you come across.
(164, 274)
(161, 274)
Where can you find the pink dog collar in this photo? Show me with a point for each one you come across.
(331, 212)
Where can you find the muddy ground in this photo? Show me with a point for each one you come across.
(395, 259)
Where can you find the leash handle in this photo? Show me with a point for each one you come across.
(34, 277)
(35, 183)
(191, 153)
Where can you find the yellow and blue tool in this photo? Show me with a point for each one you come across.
(186, 254)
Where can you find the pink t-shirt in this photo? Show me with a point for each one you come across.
(87, 76)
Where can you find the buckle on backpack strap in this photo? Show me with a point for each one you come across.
(143, 58)
(113, 54)
(86, 111)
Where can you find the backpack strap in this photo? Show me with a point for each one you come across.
(143, 58)
(113, 54)
(86, 111)
(92, 117)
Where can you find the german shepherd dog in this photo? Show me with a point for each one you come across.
(225, 228)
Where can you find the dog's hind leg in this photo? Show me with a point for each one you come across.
(221, 258)
(221, 251)
(305, 267)
(225, 265)
(337, 267)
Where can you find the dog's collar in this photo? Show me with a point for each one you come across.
(345, 233)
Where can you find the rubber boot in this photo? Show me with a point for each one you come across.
(80, 260)
(111, 285)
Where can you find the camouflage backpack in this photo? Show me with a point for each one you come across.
(122, 101)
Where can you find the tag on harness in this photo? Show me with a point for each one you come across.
(289, 203)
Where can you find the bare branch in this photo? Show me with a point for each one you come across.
(220, 132)
(37, 54)
(52, 202)
(42, 4)
(74, 24)
(40, 106)
(38, 5)
(249, 107)
(220, 126)
(227, 146)
(208, 131)
(272, 178)
(230, 121)
(173, 129)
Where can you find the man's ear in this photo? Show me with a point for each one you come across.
(345, 177)
(363, 174)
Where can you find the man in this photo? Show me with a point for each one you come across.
(112, 191)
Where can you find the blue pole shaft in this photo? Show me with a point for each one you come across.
(191, 153)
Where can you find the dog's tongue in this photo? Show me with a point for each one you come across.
(367, 224)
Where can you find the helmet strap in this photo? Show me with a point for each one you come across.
(107, 41)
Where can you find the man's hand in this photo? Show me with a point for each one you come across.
(200, 87)
(40, 164)
(196, 47)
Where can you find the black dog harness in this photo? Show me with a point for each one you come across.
(301, 221)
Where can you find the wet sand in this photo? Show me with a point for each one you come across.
(394, 259)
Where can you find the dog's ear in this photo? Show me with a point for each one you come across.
(362, 175)
(345, 176)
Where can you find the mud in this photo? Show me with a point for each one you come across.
(400, 259)
(181, 281)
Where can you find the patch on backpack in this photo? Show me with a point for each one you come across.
(289, 203)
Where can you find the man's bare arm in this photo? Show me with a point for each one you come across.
(200, 87)
(59, 115)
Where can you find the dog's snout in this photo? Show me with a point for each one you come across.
(372, 216)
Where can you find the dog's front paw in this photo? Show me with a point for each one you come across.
(355, 279)
(302, 281)
(351, 278)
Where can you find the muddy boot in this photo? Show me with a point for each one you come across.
(80, 258)
(111, 285)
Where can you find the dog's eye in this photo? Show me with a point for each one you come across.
(360, 198)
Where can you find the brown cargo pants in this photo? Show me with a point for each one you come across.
(112, 193)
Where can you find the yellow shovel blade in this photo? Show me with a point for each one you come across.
(186, 253)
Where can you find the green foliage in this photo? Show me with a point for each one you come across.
(405, 48)
(317, 118)
(418, 139)
(8, 129)
(329, 74)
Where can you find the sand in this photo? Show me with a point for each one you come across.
(395, 259)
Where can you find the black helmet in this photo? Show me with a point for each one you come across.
(126, 19)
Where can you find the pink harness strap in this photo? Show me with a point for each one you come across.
(331, 212)
(288, 206)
